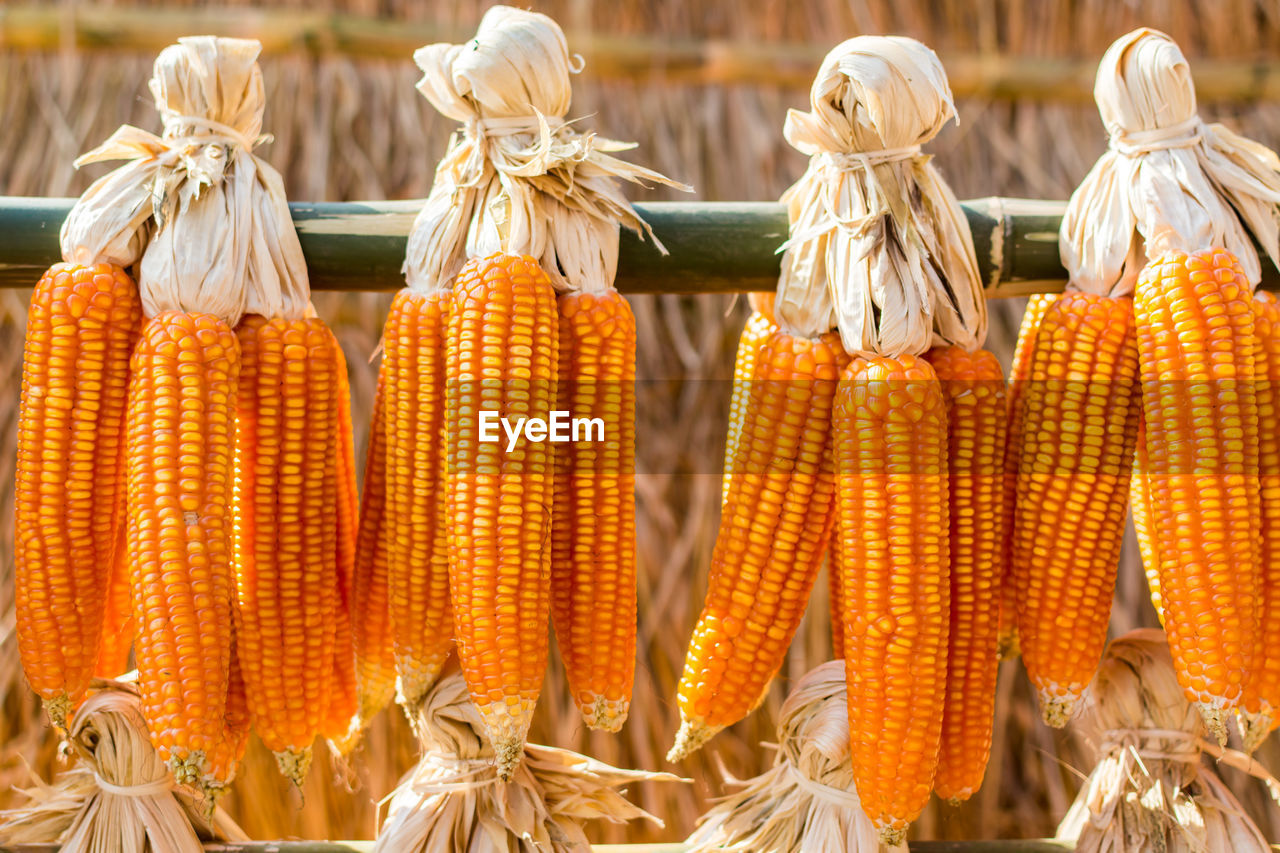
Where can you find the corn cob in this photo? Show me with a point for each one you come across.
(774, 530)
(415, 509)
(375, 656)
(69, 482)
(835, 589)
(117, 624)
(181, 452)
(1080, 421)
(1262, 692)
(287, 516)
(593, 560)
(502, 358)
(343, 702)
(760, 325)
(1019, 374)
(974, 390)
(1195, 328)
(891, 470)
(1143, 524)
(236, 720)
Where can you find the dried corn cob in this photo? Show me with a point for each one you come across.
(502, 359)
(1019, 374)
(774, 530)
(1195, 328)
(415, 514)
(287, 518)
(1143, 523)
(891, 471)
(371, 615)
(181, 452)
(974, 390)
(69, 482)
(1080, 421)
(343, 702)
(593, 559)
(760, 325)
(117, 624)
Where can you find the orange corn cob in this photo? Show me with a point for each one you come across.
(774, 529)
(1019, 374)
(593, 525)
(117, 624)
(1080, 423)
(758, 329)
(890, 432)
(69, 481)
(416, 524)
(287, 517)
(181, 452)
(342, 696)
(1195, 338)
(974, 389)
(835, 587)
(502, 359)
(371, 615)
(1143, 525)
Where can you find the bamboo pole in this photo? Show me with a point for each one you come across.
(367, 847)
(714, 247)
(145, 29)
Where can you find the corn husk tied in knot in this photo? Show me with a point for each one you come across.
(207, 219)
(121, 797)
(1151, 788)
(1169, 180)
(875, 231)
(807, 801)
(518, 177)
(453, 800)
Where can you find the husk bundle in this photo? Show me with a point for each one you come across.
(206, 220)
(1169, 180)
(875, 231)
(518, 177)
(121, 798)
(454, 801)
(1151, 788)
(807, 802)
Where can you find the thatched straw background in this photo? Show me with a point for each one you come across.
(357, 129)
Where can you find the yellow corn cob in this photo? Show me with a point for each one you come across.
(342, 695)
(1262, 693)
(1195, 338)
(371, 615)
(416, 528)
(974, 389)
(117, 624)
(1080, 422)
(1019, 373)
(287, 516)
(593, 559)
(760, 325)
(69, 481)
(1143, 526)
(502, 359)
(774, 529)
(890, 429)
(181, 451)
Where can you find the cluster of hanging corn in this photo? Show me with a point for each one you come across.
(185, 484)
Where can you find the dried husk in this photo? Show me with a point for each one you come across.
(453, 800)
(1169, 180)
(807, 802)
(879, 244)
(1151, 788)
(206, 220)
(121, 798)
(518, 177)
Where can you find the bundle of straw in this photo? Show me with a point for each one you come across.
(1151, 789)
(121, 797)
(454, 800)
(807, 800)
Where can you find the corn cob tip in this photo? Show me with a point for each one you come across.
(1254, 727)
(294, 764)
(1215, 720)
(58, 708)
(1057, 708)
(893, 837)
(346, 744)
(692, 736)
(605, 715)
(507, 727)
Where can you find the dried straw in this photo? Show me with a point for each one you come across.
(454, 799)
(1150, 788)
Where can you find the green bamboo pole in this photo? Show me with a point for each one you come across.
(713, 246)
